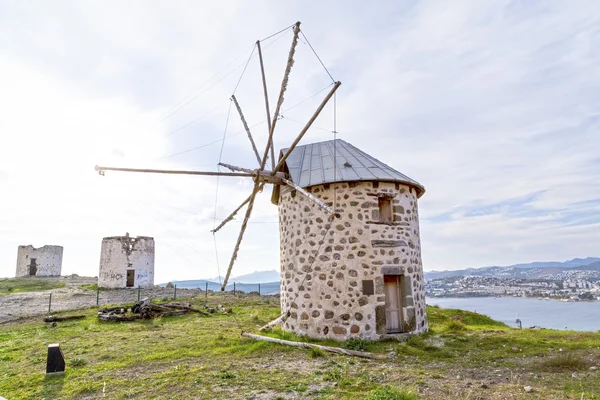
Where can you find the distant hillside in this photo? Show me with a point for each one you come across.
(265, 287)
(576, 263)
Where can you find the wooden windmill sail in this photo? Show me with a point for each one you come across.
(260, 175)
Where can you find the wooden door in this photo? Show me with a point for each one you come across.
(393, 304)
(130, 277)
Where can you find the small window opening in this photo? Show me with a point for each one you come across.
(385, 210)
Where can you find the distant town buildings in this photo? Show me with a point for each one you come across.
(572, 288)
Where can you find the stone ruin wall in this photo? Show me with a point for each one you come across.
(48, 260)
(120, 253)
(327, 300)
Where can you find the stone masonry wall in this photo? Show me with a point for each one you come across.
(48, 260)
(120, 253)
(326, 299)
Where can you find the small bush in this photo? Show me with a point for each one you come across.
(417, 342)
(567, 362)
(78, 362)
(455, 326)
(333, 375)
(355, 344)
(390, 393)
(316, 353)
(226, 375)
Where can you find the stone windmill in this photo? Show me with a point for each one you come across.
(349, 233)
(261, 175)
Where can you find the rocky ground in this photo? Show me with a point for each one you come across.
(78, 293)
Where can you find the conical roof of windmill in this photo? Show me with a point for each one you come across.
(314, 164)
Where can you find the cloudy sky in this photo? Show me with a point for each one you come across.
(493, 106)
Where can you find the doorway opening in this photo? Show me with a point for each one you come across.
(130, 278)
(32, 267)
(393, 303)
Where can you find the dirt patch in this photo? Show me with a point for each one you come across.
(76, 296)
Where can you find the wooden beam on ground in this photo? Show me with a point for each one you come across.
(310, 196)
(101, 170)
(55, 318)
(239, 109)
(306, 127)
(330, 349)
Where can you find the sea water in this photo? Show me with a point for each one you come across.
(554, 314)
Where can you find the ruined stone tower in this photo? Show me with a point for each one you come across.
(42, 261)
(367, 278)
(126, 262)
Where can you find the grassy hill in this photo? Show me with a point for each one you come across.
(17, 285)
(465, 356)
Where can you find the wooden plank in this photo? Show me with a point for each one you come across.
(330, 349)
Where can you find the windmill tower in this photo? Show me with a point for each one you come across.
(321, 212)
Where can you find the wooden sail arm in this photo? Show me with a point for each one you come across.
(262, 176)
(311, 197)
(230, 217)
(257, 186)
(266, 94)
(284, 82)
(306, 127)
(101, 170)
(239, 109)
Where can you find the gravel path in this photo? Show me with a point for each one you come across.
(73, 296)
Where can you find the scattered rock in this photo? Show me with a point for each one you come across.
(528, 389)
(573, 375)
(593, 368)
(484, 386)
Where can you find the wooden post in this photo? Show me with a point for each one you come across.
(304, 345)
(50, 303)
(174, 292)
(234, 288)
(97, 296)
(259, 289)
(206, 291)
(139, 290)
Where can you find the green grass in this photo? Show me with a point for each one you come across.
(390, 393)
(18, 285)
(194, 356)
